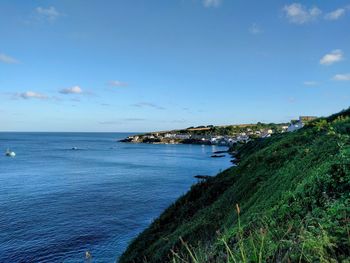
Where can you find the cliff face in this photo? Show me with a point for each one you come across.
(287, 200)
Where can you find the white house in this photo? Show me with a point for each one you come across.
(213, 140)
(284, 128)
(183, 136)
(170, 135)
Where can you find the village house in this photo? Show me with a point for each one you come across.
(183, 136)
(213, 140)
(284, 128)
(170, 135)
(134, 138)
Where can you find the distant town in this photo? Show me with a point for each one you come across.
(227, 135)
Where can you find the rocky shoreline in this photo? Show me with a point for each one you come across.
(164, 141)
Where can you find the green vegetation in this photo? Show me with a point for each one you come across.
(288, 200)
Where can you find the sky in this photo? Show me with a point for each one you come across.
(145, 65)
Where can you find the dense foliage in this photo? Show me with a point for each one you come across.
(288, 200)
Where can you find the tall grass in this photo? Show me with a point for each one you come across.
(199, 255)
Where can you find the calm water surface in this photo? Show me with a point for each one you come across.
(56, 203)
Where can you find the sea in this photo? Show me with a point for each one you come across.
(57, 203)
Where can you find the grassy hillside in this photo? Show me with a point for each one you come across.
(288, 200)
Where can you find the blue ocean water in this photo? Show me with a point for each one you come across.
(56, 203)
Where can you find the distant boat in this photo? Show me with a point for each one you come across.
(10, 153)
(74, 148)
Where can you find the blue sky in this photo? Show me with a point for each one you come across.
(142, 65)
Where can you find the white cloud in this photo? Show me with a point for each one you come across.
(342, 77)
(148, 105)
(31, 95)
(255, 29)
(117, 83)
(299, 14)
(212, 3)
(7, 59)
(49, 13)
(72, 90)
(310, 83)
(336, 14)
(333, 57)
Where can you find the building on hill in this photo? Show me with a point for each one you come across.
(306, 119)
(170, 135)
(298, 124)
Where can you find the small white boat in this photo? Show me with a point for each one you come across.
(10, 153)
(74, 148)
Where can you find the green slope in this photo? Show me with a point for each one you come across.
(286, 201)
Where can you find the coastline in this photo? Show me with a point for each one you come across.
(231, 150)
(229, 135)
(266, 201)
